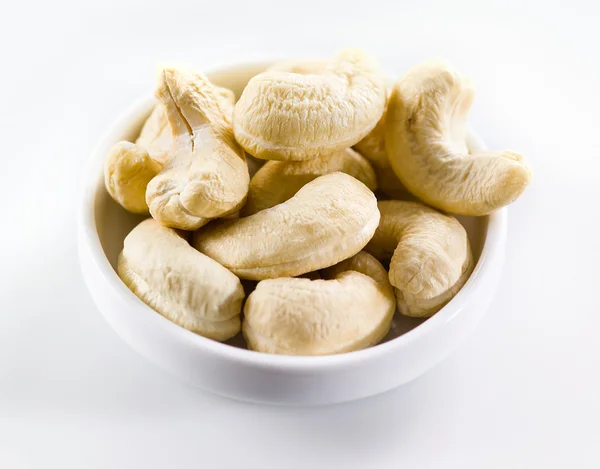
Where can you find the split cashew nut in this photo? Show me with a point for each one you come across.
(185, 286)
(206, 174)
(156, 135)
(327, 221)
(426, 137)
(430, 255)
(290, 116)
(297, 316)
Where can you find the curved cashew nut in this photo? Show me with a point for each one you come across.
(373, 148)
(127, 171)
(289, 116)
(183, 285)
(430, 255)
(328, 220)
(298, 316)
(206, 175)
(278, 181)
(426, 138)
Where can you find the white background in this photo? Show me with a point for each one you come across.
(522, 392)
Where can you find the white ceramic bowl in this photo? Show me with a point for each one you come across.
(412, 347)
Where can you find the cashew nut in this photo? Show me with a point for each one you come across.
(206, 174)
(289, 116)
(277, 181)
(127, 171)
(426, 136)
(156, 135)
(372, 147)
(185, 286)
(328, 220)
(430, 255)
(298, 316)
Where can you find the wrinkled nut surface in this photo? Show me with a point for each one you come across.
(127, 171)
(328, 220)
(389, 184)
(206, 174)
(291, 116)
(426, 137)
(297, 316)
(183, 285)
(430, 255)
(278, 181)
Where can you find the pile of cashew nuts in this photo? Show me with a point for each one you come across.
(348, 221)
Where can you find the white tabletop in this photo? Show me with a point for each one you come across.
(523, 390)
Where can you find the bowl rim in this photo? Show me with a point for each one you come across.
(88, 239)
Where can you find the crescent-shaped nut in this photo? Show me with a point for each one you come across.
(297, 316)
(426, 136)
(389, 184)
(206, 174)
(183, 285)
(328, 220)
(156, 135)
(430, 255)
(278, 181)
(290, 116)
(127, 171)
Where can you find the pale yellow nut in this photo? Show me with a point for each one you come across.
(430, 255)
(156, 135)
(328, 220)
(183, 285)
(389, 184)
(277, 181)
(372, 147)
(426, 137)
(206, 175)
(127, 171)
(291, 116)
(352, 310)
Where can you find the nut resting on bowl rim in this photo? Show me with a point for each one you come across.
(254, 376)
